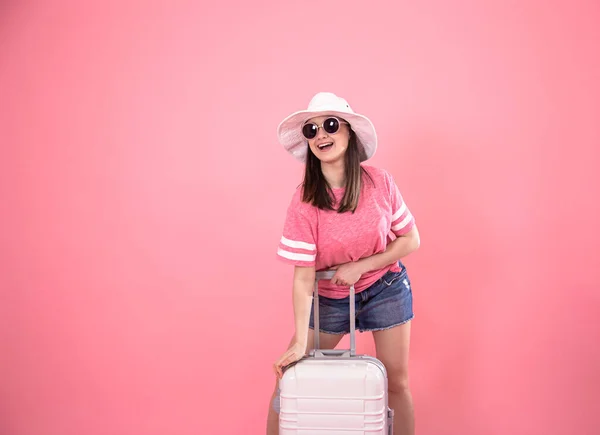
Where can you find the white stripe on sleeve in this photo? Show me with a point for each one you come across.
(402, 224)
(298, 245)
(400, 212)
(295, 256)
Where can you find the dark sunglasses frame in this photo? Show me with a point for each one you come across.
(314, 131)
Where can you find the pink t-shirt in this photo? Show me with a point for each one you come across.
(324, 238)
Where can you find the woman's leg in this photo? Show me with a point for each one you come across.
(392, 350)
(327, 341)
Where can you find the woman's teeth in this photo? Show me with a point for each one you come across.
(325, 145)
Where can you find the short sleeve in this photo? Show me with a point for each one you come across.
(298, 245)
(402, 218)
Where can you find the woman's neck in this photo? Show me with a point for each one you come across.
(334, 173)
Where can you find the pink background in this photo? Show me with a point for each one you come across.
(143, 195)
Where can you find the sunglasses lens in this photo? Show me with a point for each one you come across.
(331, 125)
(309, 131)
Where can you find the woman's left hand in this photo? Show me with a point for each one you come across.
(347, 274)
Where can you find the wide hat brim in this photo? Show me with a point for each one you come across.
(290, 135)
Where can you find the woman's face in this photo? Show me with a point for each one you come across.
(331, 135)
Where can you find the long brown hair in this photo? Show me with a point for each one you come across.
(318, 192)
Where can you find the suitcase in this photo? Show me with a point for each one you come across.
(334, 392)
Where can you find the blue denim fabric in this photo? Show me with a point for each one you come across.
(386, 303)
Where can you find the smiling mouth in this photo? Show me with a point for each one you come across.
(325, 146)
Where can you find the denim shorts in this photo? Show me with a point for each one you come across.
(386, 303)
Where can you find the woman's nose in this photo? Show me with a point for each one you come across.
(321, 132)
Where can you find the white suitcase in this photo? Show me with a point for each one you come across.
(334, 392)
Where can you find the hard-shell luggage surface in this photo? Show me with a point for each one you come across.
(334, 392)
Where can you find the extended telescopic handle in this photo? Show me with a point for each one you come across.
(325, 274)
(328, 274)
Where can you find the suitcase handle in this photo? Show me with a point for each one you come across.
(328, 274)
(330, 352)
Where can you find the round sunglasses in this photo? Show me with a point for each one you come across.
(331, 125)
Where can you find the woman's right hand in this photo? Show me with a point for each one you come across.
(302, 298)
(295, 352)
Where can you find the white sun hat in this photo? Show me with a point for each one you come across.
(290, 134)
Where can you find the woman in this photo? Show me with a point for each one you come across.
(350, 217)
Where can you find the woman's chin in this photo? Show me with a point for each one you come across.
(330, 156)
